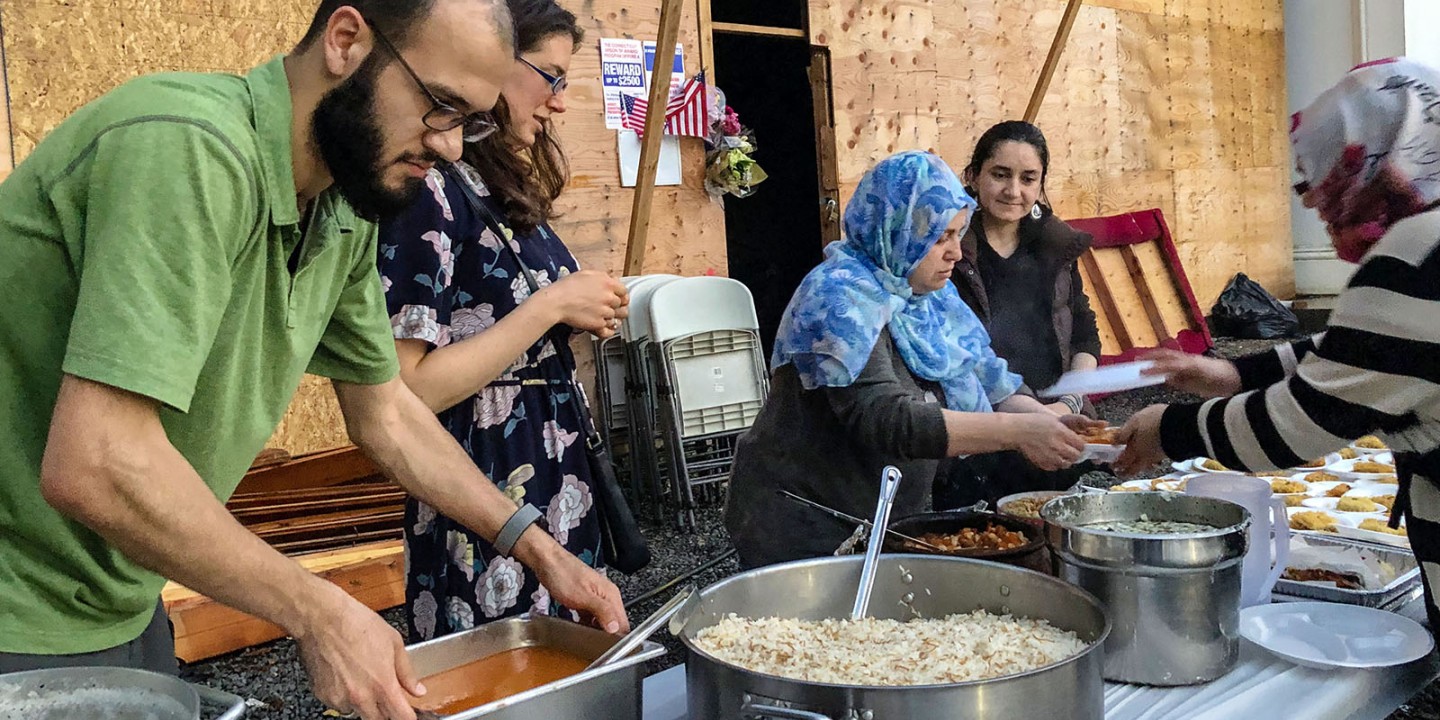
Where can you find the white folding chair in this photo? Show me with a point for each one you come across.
(710, 379)
(639, 407)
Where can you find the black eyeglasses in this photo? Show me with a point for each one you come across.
(557, 83)
(442, 117)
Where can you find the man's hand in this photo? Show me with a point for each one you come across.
(357, 662)
(1141, 437)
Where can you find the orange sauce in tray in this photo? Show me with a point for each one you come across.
(498, 676)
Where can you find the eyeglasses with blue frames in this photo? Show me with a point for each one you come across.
(442, 117)
(557, 83)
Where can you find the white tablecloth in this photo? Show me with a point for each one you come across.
(1261, 686)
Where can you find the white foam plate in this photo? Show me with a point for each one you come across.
(1146, 485)
(1356, 533)
(1325, 463)
(1193, 466)
(1105, 379)
(1334, 635)
(1100, 452)
(1329, 504)
(1386, 457)
(1368, 451)
(1371, 489)
(1348, 467)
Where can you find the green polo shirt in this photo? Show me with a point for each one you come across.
(145, 245)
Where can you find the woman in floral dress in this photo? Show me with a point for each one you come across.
(479, 348)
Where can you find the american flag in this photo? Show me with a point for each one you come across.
(685, 114)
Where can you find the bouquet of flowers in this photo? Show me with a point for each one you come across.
(729, 169)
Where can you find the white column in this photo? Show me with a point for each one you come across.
(1323, 40)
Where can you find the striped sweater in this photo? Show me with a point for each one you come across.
(1376, 370)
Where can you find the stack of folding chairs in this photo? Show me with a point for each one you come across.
(678, 385)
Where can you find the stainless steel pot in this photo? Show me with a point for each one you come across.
(1173, 600)
(612, 690)
(905, 585)
(110, 693)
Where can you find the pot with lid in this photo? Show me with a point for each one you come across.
(1167, 569)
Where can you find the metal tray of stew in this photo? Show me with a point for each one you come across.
(1407, 576)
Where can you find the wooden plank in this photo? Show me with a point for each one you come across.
(1142, 289)
(761, 30)
(323, 469)
(291, 527)
(270, 456)
(1099, 288)
(705, 39)
(1057, 47)
(1169, 301)
(654, 131)
(1109, 344)
(374, 575)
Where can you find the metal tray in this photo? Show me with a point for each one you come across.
(1406, 579)
(616, 687)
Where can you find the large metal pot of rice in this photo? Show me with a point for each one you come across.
(1167, 568)
(1055, 677)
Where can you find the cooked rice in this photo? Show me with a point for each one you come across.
(881, 653)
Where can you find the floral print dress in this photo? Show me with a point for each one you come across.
(448, 279)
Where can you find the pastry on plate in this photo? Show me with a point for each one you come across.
(1314, 464)
(1286, 487)
(1313, 520)
(1370, 442)
(1372, 467)
(1357, 504)
(1349, 453)
(1380, 526)
(1102, 436)
(1213, 464)
(1338, 491)
(1321, 477)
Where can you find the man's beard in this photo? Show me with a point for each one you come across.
(346, 130)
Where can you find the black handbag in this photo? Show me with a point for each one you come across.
(623, 546)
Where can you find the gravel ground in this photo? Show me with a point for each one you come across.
(273, 676)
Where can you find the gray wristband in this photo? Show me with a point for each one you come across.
(1074, 402)
(514, 528)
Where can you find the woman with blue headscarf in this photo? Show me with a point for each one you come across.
(878, 362)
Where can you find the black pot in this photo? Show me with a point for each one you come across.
(1030, 555)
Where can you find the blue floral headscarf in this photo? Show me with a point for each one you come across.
(830, 328)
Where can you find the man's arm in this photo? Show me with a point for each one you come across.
(109, 465)
(400, 433)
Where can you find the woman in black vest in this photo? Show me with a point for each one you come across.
(1019, 274)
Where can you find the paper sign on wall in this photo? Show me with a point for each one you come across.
(677, 70)
(666, 173)
(625, 67)
(622, 70)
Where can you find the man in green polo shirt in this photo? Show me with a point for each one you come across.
(177, 254)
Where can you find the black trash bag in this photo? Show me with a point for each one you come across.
(1246, 310)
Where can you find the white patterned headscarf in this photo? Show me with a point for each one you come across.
(1368, 151)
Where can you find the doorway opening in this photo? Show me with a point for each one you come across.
(775, 236)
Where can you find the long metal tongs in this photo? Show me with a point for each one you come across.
(889, 484)
(847, 517)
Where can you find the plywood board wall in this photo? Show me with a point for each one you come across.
(63, 53)
(1175, 104)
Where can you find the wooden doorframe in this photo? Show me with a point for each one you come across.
(823, 96)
